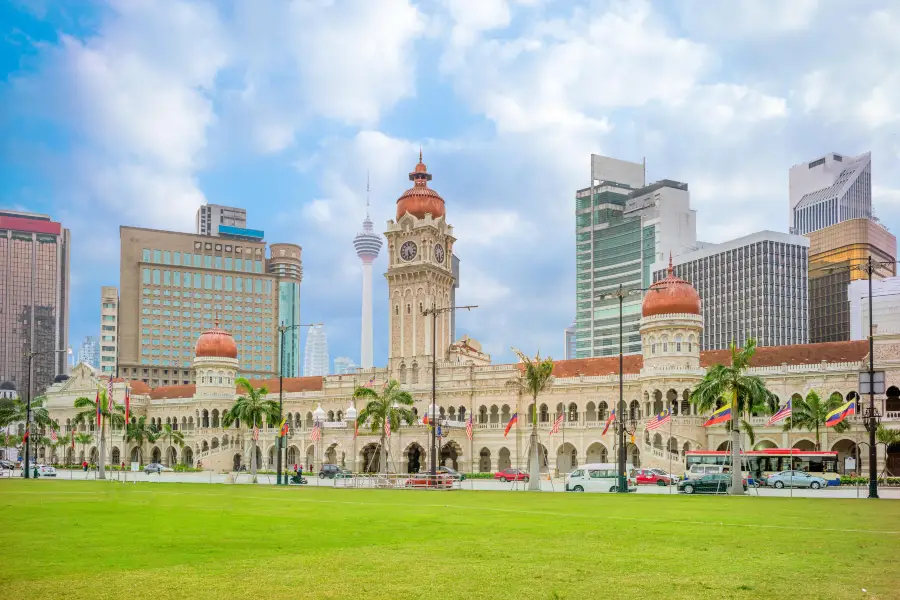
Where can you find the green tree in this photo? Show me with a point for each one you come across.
(16, 410)
(747, 394)
(886, 436)
(809, 413)
(251, 408)
(83, 439)
(535, 376)
(393, 406)
(138, 432)
(169, 437)
(88, 412)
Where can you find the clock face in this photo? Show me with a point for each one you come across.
(439, 253)
(408, 250)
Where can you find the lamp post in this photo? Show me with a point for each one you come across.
(31, 354)
(434, 311)
(282, 329)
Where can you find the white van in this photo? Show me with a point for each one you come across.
(697, 471)
(596, 477)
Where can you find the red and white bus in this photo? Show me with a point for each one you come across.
(762, 463)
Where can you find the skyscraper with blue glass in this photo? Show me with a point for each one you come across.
(286, 264)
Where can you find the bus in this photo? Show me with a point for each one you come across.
(756, 463)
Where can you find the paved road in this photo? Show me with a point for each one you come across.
(557, 485)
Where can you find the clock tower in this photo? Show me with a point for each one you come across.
(419, 276)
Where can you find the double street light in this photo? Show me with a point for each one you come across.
(31, 354)
(282, 441)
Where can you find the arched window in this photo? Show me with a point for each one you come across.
(678, 340)
(665, 344)
(690, 343)
(415, 372)
(653, 344)
(397, 310)
(402, 374)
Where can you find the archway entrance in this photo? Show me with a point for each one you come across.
(450, 453)
(484, 461)
(371, 458)
(293, 456)
(155, 455)
(597, 453)
(310, 458)
(892, 460)
(171, 457)
(415, 456)
(331, 455)
(135, 454)
(634, 456)
(95, 456)
(805, 445)
(236, 462)
(503, 461)
(187, 457)
(116, 456)
(566, 458)
(845, 448)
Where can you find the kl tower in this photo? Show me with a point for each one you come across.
(367, 244)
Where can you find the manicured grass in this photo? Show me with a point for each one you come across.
(98, 540)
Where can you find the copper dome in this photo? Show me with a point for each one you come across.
(217, 343)
(420, 199)
(671, 295)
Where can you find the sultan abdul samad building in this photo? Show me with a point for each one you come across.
(420, 242)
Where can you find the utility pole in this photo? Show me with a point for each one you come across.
(282, 441)
(31, 354)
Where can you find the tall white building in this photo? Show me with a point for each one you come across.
(109, 315)
(885, 306)
(344, 365)
(315, 359)
(751, 287)
(830, 190)
(89, 351)
(211, 216)
(367, 244)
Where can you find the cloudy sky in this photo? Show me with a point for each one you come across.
(137, 111)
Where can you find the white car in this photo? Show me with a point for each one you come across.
(664, 473)
(46, 471)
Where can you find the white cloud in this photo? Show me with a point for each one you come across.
(727, 19)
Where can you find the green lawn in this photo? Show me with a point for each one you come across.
(96, 540)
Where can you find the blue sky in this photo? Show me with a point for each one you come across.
(137, 111)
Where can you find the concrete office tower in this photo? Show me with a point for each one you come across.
(751, 287)
(315, 360)
(830, 190)
(109, 317)
(622, 227)
(286, 264)
(835, 255)
(885, 307)
(175, 286)
(367, 244)
(344, 365)
(34, 299)
(210, 217)
(89, 351)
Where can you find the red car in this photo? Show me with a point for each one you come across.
(650, 477)
(425, 480)
(511, 475)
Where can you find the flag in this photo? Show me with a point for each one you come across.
(355, 429)
(370, 383)
(127, 404)
(839, 414)
(783, 413)
(512, 421)
(284, 427)
(659, 420)
(720, 416)
(609, 421)
(556, 424)
(72, 435)
(255, 433)
(97, 401)
(314, 436)
(387, 428)
(469, 427)
(53, 435)
(109, 396)
(25, 437)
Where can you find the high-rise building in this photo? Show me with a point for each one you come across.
(315, 356)
(570, 349)
(211, 218)
(835, 255)
(34, 299)
(622, 227)
(174, 286)
(367, 244)
(89, 351)
(109, 320)
(885, 307)
(344, 365)
(751, 287)
(830, 190)
(286, 264)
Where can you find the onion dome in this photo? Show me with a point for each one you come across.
(671, 295)
(319, 414)
(350, 413)
(60, 378)
(420, 199)
(8, 385)
(216, 343)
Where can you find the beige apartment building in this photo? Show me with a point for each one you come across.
(175, 285)
(109, 321)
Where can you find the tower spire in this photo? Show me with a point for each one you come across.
(367, 193)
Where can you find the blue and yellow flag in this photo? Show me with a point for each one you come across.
(840, 413)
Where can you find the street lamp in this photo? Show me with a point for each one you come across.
(282, 329)
(31, 354)
(434, 311)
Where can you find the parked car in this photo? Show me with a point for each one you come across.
(7, 464)
(155, 468)
(329, 471)
(715, 483)
(343, 474)
(38, 470)
(799, 479)
(452, 473)
(664, 473)
(697, 471)
(650, 477)
(425, 480)
(511, 475)
(597, 477)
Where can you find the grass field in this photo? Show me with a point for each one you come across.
(103, 540)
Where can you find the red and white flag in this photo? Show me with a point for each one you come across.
(127, 403)
(316, 433)
(109, 396)
(387, 428)
(53, 435)
(469, 427)
(557, 423)
(659, 420)
(255, 433)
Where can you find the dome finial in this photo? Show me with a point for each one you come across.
(671, 270)
(420, 153)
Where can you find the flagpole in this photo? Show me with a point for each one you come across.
(563, 445)
(670, 452)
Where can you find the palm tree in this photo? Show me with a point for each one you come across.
(83, 439)
(392, 406)
(115, 419)
(886, 436)
(536, 376)
(251, 408)
(16, 410)
(61, 442)
(169, 436)
(139, 431)
(809, 413)
(747, 394)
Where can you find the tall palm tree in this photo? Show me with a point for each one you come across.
(747, 394)
(16, 410)
(886, 436)
(809, 413)
(114, 419)
(535, 377)
(252, 407)
(393, 405)
(139, 431)
(169, 437)
(83, 439)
